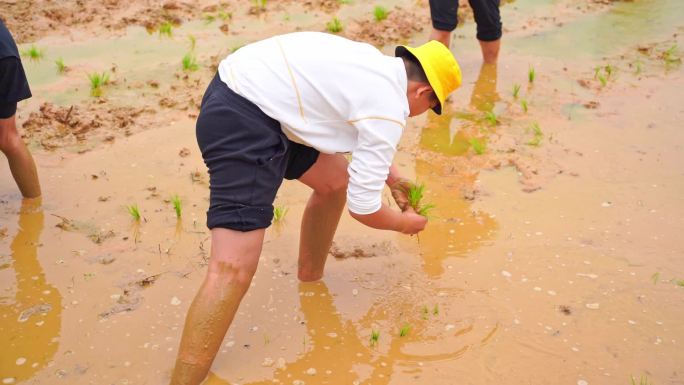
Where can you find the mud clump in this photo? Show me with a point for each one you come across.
(131, 298)
(129, 301)
(565, 309)
(362, 251)
(356, 252)
(55, 126)
(33, 19)
(42, 308)
(399, 26)
(324, 5)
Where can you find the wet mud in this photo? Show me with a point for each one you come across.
(552, 256)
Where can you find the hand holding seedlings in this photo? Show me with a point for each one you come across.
(399, 190)
(408, 195)
(415, 197)
(412, 222)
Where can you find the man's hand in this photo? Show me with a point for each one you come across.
(412, 223)
(399, 190)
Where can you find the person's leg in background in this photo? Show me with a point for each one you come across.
(20, 161)
(488, 19)
(13, 88)
(444, 15)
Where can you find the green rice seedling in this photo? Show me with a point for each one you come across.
(491, 118)
(166, 28)
(680, 283)
(643, 380)
(259, 4)
(637, 67)
(670, 55)
(478, 145)
(597, 70)
(435, 310)
(425, 312)
(415, 194)
(523, 105)
(134, 212)
(516, 90)
(425, 209)
(193, 42)
(380, 13)
(177, 205)
(209, 18)
(609, 70)
(97, 81)
(531, 75)
(61, 67)
(189, 62)
(279, 213)
(225, 16)
(335, 25)
(655, 277)
(603, 80)
(538, 135)
(404, 331)
(34, 53)
(375, 336)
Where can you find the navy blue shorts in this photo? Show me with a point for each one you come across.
(444, 14)
(248, 156)
(13, 86)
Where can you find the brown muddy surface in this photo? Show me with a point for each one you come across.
(553, 255)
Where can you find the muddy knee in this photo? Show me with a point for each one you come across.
(10, 141)
(336, 189)
(231, 273)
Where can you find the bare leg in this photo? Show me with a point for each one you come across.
(234, 258)
(20, 160)
(328, 178)
(443, 37)
(490, 51)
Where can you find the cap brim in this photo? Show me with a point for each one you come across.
(401, 51)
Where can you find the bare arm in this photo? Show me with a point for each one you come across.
(407, 222)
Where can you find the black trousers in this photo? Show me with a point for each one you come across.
(444, 14)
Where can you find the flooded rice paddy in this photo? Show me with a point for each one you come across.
(553, 256)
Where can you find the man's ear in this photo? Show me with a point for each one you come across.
(424, 89)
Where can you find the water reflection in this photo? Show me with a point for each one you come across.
(455, 229)
(30, 315)
(451, 132)
(341, 352)
(484, 94)
(601, 34)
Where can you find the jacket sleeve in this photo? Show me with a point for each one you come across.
(377, 143)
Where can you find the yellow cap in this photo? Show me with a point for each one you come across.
(440, 66)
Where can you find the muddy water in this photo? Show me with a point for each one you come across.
(572, 283)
